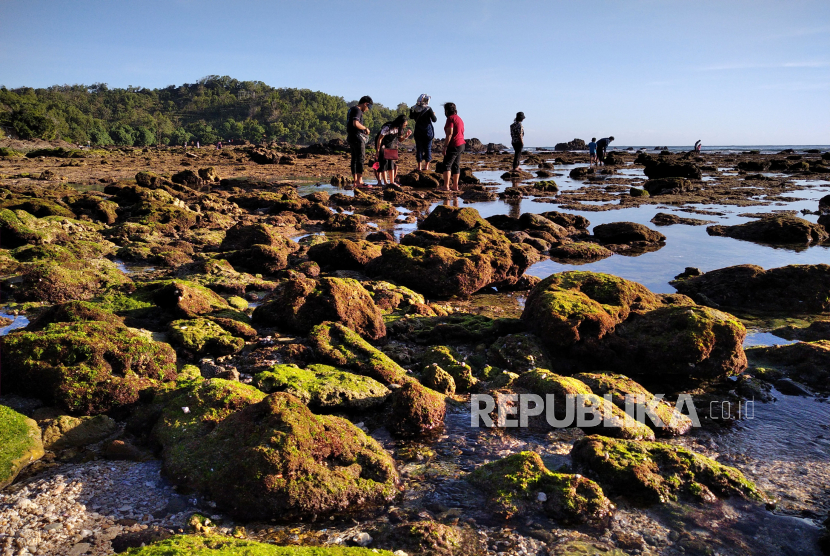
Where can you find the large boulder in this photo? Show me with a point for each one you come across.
(274, 459)
(455, 252)
(651, 472)
(627, 232)
(571, 306)
(20, 444)
(520, 483)
(85, 368)
(202, 337)
(575, 145)
(257, 248)
(299, 304)
(656, 168)
(781, 228)
(667, 186)
(323, 387)
(799, 289)
(416, 410)
(66, 432)
(66, 278)
(344, 254)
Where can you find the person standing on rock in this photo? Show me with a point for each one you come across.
(517, 137)
(697, 147)
(357, 135)
(602, 145)
(592, 152)
(423, 116)
(386, 144)
(453, 147)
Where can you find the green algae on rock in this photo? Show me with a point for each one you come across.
(85, 367)
(652, 472)
(340, 346)
(274, 459)
(20, 444)
(203, 336)
(299, 304)
(416, 410)
(780, 228)
(620, 386)
(448, 359)
(519, 482)
(433, 376)
(66, 431)
(214, 545)
(323, 387)
(807, 362)
(517, 353)
(73, 311)
(580, 251)
(344, 254)
(571, 306)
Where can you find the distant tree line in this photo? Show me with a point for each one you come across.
(212, 109)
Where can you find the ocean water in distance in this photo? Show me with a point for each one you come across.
(765, 149)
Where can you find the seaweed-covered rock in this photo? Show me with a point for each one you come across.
(85, 367)
(416, 410)
(627, 232)
(202, 336)
(391, 297)
(567, 393)
(21, 228)
(72, 311)
(201, 545)
(66, 431)
(667, 186)
(651, 472)
(661, 168)
(457, 327)
(520, 482)
(244, 236)
(20, 444)
(274, 459)
(580, 251)
(567, 220)
(623, 389)
(780, 228)
(321, 386)
(517, 353)
(433, 376)
(67, 280)
(181, 298)
(455, 252)
(448, 359)
(299, 304)
(679, 345)
(794, 288)
(344, 254)
(571, 306)
(340, 346)
(806, 362)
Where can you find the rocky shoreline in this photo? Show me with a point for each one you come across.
(221, 355)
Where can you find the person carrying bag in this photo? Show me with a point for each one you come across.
(386, 144)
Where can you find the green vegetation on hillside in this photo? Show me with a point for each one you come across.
(212, 109)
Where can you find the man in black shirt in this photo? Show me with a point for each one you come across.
(602, 145)
(357, 134)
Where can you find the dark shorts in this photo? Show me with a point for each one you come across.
(452, 160)
(385, 165)
(358, 151)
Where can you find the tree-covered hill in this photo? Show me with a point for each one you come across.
(212, 109)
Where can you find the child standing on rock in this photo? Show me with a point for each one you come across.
(517, 138)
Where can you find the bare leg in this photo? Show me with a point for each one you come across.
(455, 179)
(446, 181)
(426, 166)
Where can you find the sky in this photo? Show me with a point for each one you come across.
(649, 72)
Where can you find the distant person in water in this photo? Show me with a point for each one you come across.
(697, 146)
(423, 115)
(357, 135)
(592, 152)
(453, 147)
(517, 138)
(386, 144)
(602, 145)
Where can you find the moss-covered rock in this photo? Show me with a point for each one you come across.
(679, 345)
(515, 485)
(565, 391)
(67, 280)
(344, 254)
(73, 311)
(517, 353)
(774, 229)
(342, 347)
(448, 359)
(20, 444)
(66, 431)
(568, 307)
(299, 304)
(220, 276)
(391, 297)
(85, 367)
(651, 472)
(213, 545)
(38, 207)
(202, 336)
(238, 303)
(627, 232)
(620, 388)
(179, 298)
(580, 251)
(807, 362)
(455, 252)
(457, 327)
(276, 460)
(433, 376)
(20, 228)
(323, 387)
(416, 410)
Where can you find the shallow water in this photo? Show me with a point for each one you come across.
(18, 321)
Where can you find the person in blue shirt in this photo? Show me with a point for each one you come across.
(592, 152)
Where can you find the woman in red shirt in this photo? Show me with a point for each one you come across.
(453, 147)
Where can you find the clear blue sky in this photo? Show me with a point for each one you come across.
(648, 72)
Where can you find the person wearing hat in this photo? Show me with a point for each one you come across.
(602, 145)
(423, 116)
(517, 137)
(357, 135)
